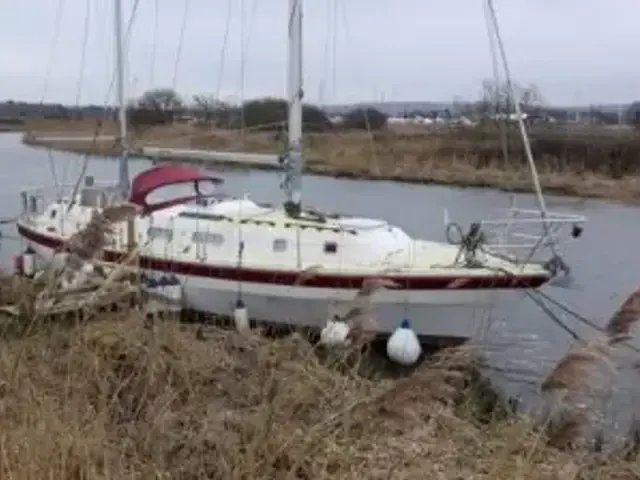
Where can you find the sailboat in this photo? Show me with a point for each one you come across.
(291, 265)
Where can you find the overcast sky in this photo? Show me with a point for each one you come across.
(576, 51)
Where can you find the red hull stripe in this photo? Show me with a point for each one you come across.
(318, 280)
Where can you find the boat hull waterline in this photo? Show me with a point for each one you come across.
(444, 310)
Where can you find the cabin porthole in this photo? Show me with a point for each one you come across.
(330, 247)
(279, 245)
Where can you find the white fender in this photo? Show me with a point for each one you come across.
(241, 316)
(172, 290)
(403, 346)
(335, 333)
(29, 262)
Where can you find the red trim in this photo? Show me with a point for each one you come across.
(319, 280)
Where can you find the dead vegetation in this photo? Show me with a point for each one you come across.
(116, 399)
(588, 164)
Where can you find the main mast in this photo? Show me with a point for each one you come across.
(123, 173)
(293, 161)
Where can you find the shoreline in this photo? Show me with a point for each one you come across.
(455, 174)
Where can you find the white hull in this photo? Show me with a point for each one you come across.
(443, 317)
(293, 270)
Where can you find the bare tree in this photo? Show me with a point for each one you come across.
(208, 108)
(163, 99)
(496, 98)
(530, 96)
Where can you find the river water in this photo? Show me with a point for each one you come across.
(523, 341)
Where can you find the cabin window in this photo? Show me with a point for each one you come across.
(204, 216)
(279, 245)
(53, 213)
(154, 233)
(330, 247)
(209, 238)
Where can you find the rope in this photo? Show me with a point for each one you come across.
(582, 318)
(533, 295)
(8, 221)
(472, 241)
(556, 319)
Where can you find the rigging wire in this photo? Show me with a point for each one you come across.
(242, 67)
(223, 52)
(183, 28)
(98, 129)
(52, 49)
(152, 66)
(326, 58)
(334, 50)
(329, 54)
(245, 38)
(45, 87)
(83, 54)
(490, 8)
(523, 131)
(79, 82)
(127, 35)
(497, 90)
(345, 22)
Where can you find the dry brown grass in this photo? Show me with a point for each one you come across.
(116, 400)
(119, 398)
(437, 157)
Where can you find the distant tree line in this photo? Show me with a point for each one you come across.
(163, 106)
